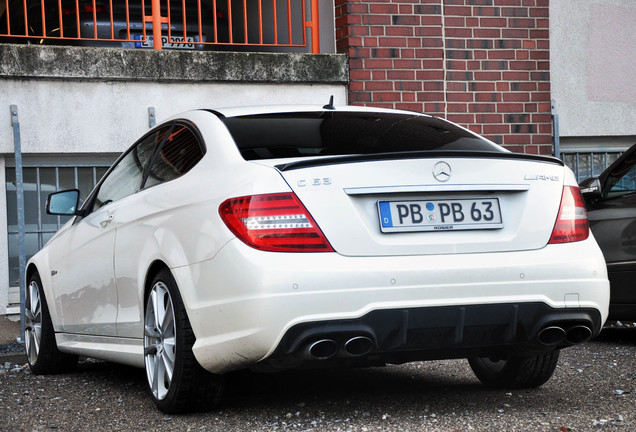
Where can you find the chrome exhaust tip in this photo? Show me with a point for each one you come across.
(322, 349)
(358, 346)
(552, 335)
(578, 334)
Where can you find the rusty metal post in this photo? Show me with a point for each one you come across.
(156, 24)
(314, 25)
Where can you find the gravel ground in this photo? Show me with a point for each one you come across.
(594, 388)
(12, 348)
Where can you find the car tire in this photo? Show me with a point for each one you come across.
(517, 372)
(175, 379)
(43, 355)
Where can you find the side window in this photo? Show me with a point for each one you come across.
(125, 177)
(178, 154)
(622, 180)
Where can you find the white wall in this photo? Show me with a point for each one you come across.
(100, 117)
(593, 66)
(4, 252)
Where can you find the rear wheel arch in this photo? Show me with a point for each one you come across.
(153, 270)
(176, 381)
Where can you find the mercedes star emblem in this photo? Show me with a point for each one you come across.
(441, 171)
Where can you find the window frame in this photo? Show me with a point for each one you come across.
(89, 205)
(197, 136)
(627, 167)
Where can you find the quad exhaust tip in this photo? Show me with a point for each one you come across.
(322, 349)
(358, 346)
(578, 334)
(552, 335)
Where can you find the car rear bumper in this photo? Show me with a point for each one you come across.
(400, 335)
(244, 304)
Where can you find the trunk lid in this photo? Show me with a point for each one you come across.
(362, 173)
(344, 198)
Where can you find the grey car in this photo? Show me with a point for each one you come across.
(611, 207)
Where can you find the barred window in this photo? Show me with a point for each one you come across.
(39, 181)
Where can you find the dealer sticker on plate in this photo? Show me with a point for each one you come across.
(176, 42)
(440, 215)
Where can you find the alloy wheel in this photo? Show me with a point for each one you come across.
(33, 322)
(160, 340)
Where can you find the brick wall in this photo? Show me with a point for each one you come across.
(481, 63)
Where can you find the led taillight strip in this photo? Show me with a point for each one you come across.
(273, 222)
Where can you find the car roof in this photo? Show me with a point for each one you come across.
(278, 109)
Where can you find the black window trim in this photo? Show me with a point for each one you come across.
(625, 158)
(181, 122)
(87, 207)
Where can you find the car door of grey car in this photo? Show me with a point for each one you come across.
(612, 217)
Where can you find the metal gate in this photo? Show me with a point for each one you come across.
(176, 24)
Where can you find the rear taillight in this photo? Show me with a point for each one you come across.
(273, 222)
(84, 8)
(571, 224)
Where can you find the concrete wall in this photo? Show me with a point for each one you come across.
(89, 100)
(592, 64)
(85, 117)
(95, 102)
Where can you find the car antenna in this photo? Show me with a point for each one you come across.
(330, 105)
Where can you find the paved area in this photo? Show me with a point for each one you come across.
(593, 389)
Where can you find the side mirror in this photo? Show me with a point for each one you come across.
(64, 203)
(590, 189)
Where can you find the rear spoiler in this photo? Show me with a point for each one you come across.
(375, 157)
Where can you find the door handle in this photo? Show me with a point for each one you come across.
(106, 221)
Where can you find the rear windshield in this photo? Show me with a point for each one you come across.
(293, 135)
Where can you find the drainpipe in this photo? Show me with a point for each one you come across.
(15, 123)
(555, 129)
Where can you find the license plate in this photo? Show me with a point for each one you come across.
(177, 42)
(440, 215)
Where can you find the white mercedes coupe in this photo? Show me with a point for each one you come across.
(269, 238)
